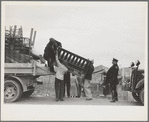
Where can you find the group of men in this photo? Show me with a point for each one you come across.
(62, 75)
(82, 83)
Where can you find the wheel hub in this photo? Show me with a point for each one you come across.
(10, 92)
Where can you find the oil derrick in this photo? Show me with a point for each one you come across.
(17, 47)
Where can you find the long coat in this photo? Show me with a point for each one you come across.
(111, 76)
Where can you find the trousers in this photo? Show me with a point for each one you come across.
(114, 91)
(87, 90)
(67, 83)
(59, 88)
(79, 90)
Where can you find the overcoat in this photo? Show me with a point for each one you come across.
(111, 76)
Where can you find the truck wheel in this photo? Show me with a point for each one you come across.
(12, 91)
(136, 96)
(27, 93)
(141, 95)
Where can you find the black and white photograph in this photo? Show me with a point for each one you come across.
(74, 60)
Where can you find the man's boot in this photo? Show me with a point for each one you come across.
(57, 96)
(113, 97)
(116, 96)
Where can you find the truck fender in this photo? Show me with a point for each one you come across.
(23, 85)
(140, 84)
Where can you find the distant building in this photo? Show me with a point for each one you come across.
(98, 77)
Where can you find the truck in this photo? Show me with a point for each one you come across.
(133, 81)
(22, 68)
(21, 78)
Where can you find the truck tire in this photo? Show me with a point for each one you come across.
(12, 91)
(136, 96)
(27, 93)
(141, 95)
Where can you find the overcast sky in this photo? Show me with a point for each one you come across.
(94, 30)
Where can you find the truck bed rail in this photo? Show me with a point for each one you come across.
(33, 69)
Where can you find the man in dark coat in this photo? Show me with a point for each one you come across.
(67, 83)
(112, 79)
(50, 52)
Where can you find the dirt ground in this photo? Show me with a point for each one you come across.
(45, 94)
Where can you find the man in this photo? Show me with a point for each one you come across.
(67, 83)
(105, 85)
(112, 79)
(50, 51)
(59, 79)
(87, 80)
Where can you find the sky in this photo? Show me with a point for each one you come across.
(95, 30)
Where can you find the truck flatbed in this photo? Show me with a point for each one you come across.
(33, 68)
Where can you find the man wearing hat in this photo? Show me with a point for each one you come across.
(111, 78)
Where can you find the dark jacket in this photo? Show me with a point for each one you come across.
(89, 73)
(67, 76)
(111, 76)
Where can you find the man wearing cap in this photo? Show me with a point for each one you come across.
(111, 78)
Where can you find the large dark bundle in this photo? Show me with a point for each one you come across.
(50, 52)
(50, 49)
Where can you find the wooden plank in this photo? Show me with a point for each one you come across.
(19, 68)
(18, 65)
(18, 71)
(42, 70)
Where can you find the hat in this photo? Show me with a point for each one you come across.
(115, 60)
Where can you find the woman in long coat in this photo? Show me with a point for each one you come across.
(73, 87)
